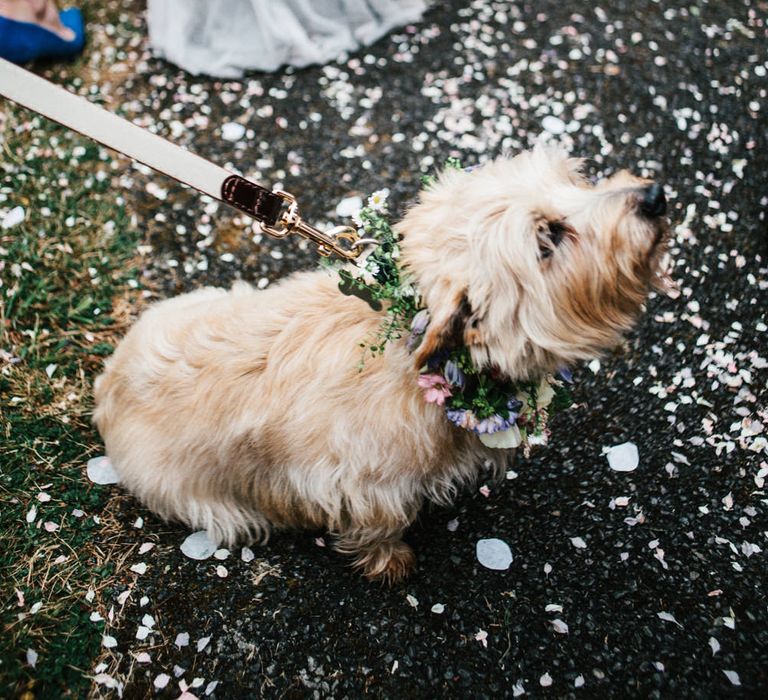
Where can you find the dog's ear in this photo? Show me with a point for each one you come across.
(452, 323)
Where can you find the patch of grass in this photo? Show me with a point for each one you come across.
(68, 284)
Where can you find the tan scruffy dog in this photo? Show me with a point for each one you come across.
(244, 410)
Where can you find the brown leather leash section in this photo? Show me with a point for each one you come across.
(275, 210)
(262, 204)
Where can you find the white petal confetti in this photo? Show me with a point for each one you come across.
(714, 645)
(494, 554)
(182, 639)
(667, 617)
(578, 542)
(108, 641)
(142, 632)
(198, 546)
(161, 681)
(101, 471)
(246, 554)
(733, 677)
(438, 608)
(13, 218)
(145, 547)
(31, 657)
(232, 131)
(482, 637)
(578, 682)
(221, 554)
(545, 681)
(143, 657)
(560, 626)
(412, 601)
(140, 568)
(518, 689)
(553, 125)
(221, 571)
(31, 514)
(348, 207)
(202, 643)
(624, 457)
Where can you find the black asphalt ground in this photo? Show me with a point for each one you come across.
(668, 596)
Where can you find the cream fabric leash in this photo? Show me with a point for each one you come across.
(276, 211)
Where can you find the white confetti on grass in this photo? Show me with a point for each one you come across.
(518, 689)
(140, 568)
(32, 657)
(438, 608)
(714, 645)
(198, 546)
(494, 554)
(161, 681)
(578, 682)
(623, 458)
(182, 639)
(108, 641)
(545, 681)
(143, 657)
(733, 677)
(349, 207)
(100, 471)
(412, 601)
(202, 643)
(482, 637)
(247, 555)
(232, 131)
(578, 542)
(553, 125)
(13, 218)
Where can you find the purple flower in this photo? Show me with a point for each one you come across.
(565, 374)
(454, 374)
(461, 418)
(493, 424)
(514, 405)
(418, 327)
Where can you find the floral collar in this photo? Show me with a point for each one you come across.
(502, 413)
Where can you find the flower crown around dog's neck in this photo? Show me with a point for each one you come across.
(501, 412)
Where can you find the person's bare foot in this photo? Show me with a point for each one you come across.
(44, 13)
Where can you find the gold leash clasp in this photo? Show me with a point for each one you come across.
(340, 240)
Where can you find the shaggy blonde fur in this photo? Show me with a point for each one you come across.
(244, 410)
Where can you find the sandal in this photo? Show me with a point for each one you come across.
(21, 42)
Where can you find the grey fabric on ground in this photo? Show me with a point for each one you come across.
(224, 38)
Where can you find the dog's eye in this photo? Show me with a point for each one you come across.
(557, 231)
(552, 236)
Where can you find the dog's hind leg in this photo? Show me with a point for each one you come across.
(378, 552)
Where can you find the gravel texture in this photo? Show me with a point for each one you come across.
(646, 583)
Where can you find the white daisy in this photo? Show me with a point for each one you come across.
(378, 200)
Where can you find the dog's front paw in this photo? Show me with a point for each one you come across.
(388, 562)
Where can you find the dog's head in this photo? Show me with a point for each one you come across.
(528, 264)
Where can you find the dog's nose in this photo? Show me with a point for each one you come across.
(654, 203)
